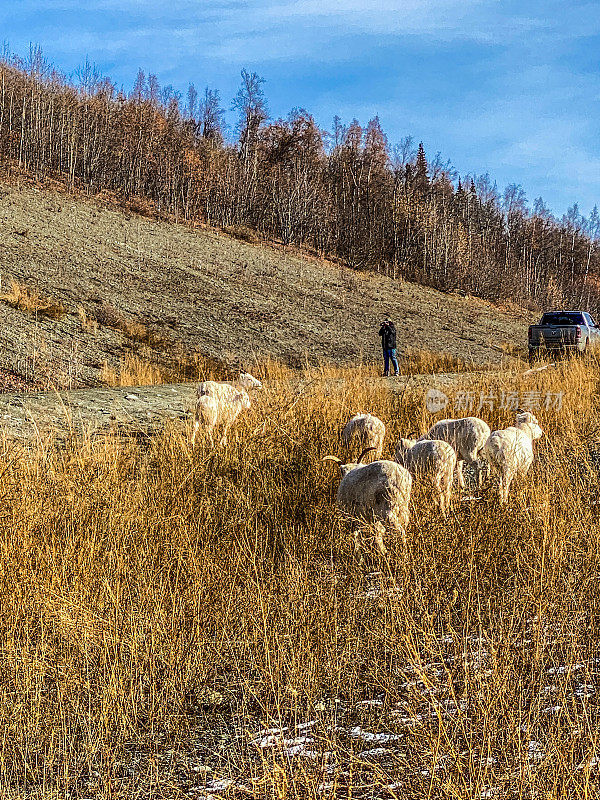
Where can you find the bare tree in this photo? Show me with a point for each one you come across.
(251, 106)
(210, 117)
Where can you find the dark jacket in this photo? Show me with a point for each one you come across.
(388, 336)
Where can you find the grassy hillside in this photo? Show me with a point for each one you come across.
(109, 283)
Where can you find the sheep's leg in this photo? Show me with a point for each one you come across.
(502, 488)
(223, 441)
(483, 467)
(379, 531)
(507, 481)
(459, 474)
(479, 471)
(443, 501)
(441, 504)
(446, 498)
(440, 495)
(207, 431)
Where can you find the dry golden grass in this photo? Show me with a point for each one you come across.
(135, 330)
(160, 606)
(26, 299)
(431, 362)
(133, 371)
(87, 323)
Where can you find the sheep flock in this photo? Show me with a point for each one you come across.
(376, 493)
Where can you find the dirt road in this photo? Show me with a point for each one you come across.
(142, 409)
(25, 417)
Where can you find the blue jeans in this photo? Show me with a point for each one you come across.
(387, 355)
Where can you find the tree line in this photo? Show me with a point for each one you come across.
(344, 193)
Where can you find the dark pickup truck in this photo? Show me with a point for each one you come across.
(563, 332)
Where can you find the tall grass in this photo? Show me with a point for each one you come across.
(160, 606)
(30, 301)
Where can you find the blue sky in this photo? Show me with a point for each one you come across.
(499, 86)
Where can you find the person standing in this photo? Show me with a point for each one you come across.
(388, 342)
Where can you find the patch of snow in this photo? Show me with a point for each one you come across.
(358, 733)
(269, 732)
(584, 690)
(304, 726)
(560, 670)
(291, 747)
(219, 785)
(414, 720)
(376, 751)
(593, 762)
(534, 751)
(297, 747)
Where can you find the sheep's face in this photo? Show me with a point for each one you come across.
(405, 444)
(346, 468)
(536, 431)
(526, 416)
(248, 381)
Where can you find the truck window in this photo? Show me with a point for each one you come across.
(563, 318)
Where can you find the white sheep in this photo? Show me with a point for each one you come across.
(219, 404)
(377, 493)
(212, 412)
(431, 462)
(509, 452)
(467, 436)
(365, 431)
(219, 388)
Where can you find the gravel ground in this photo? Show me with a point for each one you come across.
(135, 411)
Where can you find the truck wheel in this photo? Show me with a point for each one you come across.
(533, 357)
(583, 353)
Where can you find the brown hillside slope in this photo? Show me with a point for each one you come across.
(203, 291)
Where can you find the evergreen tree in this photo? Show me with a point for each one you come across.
(421, 180)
